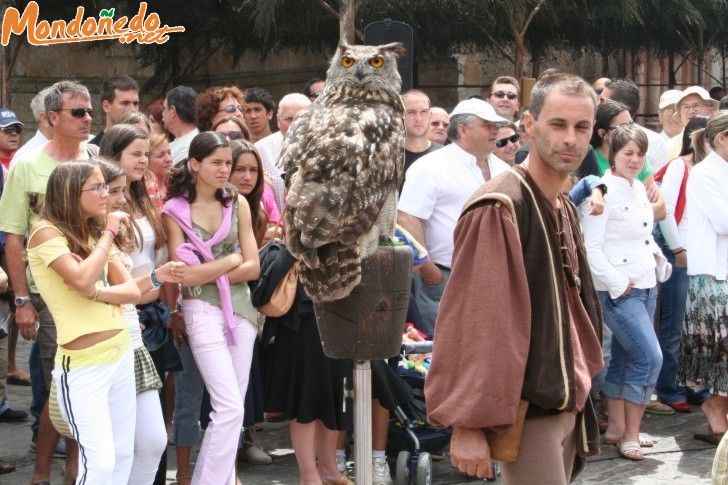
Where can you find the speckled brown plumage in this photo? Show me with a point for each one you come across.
(343, 158)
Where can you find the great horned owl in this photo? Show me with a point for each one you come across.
(344, 158)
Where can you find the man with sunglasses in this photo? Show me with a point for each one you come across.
(118, 94)
(270, 147)
(439, 121)
(10, 130)
(504, 97)
(68, 106)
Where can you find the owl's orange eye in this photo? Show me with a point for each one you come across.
(376, 61)
(347, 61)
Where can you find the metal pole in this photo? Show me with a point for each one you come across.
(363, 421)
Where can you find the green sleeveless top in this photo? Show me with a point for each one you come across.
(240, 291)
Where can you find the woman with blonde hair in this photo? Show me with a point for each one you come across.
(703, 359)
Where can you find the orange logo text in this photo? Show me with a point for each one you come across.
(142, 28)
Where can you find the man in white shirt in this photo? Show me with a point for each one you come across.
(178, 114)
(439, 121)
(270, 146)
(45, 130)
(437, 187)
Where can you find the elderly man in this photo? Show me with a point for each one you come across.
(45, 130)
(504, 97)
(693, 102)
(270, 146)
(666, 110)
(437, 187)
(519, 324)
(68, 106)
(439, 121)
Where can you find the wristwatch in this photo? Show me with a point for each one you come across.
(21, 300)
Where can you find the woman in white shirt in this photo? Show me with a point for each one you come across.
(623, 259)
(703, 356)
(672, 238)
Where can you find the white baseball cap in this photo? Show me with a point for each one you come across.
(700, 92)
(669, 97)
(479, 108)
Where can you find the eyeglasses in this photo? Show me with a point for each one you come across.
(501, 95)
(232, 135)
(12, 129)
(444, 124)
(98, 189)
(504, 141)
(629, 123)
(231, 108)
(78, 112)
(694, 106)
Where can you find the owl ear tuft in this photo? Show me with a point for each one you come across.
(343, 45)
(395, 48)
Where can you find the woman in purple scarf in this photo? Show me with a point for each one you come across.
(209, 228)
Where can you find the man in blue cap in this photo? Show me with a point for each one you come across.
(10, 129)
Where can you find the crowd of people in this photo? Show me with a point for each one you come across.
(574, 279)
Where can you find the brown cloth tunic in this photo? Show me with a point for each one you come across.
(519, 318)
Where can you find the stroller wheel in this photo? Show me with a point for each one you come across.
(402, 472)
(424, 469)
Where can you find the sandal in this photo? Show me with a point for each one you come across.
(18, 378)
(644, 442)
(656, 407)
(6, 468)
(680, 406)
(710, 437)
(630, 450)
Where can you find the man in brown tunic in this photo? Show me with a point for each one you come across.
(519, 319)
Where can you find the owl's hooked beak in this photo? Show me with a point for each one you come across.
(360, 71)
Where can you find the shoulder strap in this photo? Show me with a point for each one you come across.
(45, 226)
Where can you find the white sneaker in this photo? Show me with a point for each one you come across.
(341, 464)
(380, 472)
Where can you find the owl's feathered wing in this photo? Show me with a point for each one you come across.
(344, 156)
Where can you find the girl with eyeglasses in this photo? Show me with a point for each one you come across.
(129, 147)
(69, 257)
(209, 227)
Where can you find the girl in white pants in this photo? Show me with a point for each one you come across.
(209, 227)
(68, 255)
(150, 437)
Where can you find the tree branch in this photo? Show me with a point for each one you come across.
(531, 15)
(500, 48)
(332, 11)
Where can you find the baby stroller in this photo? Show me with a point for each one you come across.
(410, 438)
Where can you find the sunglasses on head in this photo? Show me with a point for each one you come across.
(501, 95)
(231, 108)
(78, 112)
(12, 129)
(233, 135)
(504, 141)
(444, 124)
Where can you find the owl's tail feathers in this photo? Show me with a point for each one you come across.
(338, 272)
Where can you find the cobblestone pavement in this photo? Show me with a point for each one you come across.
(675, 459)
